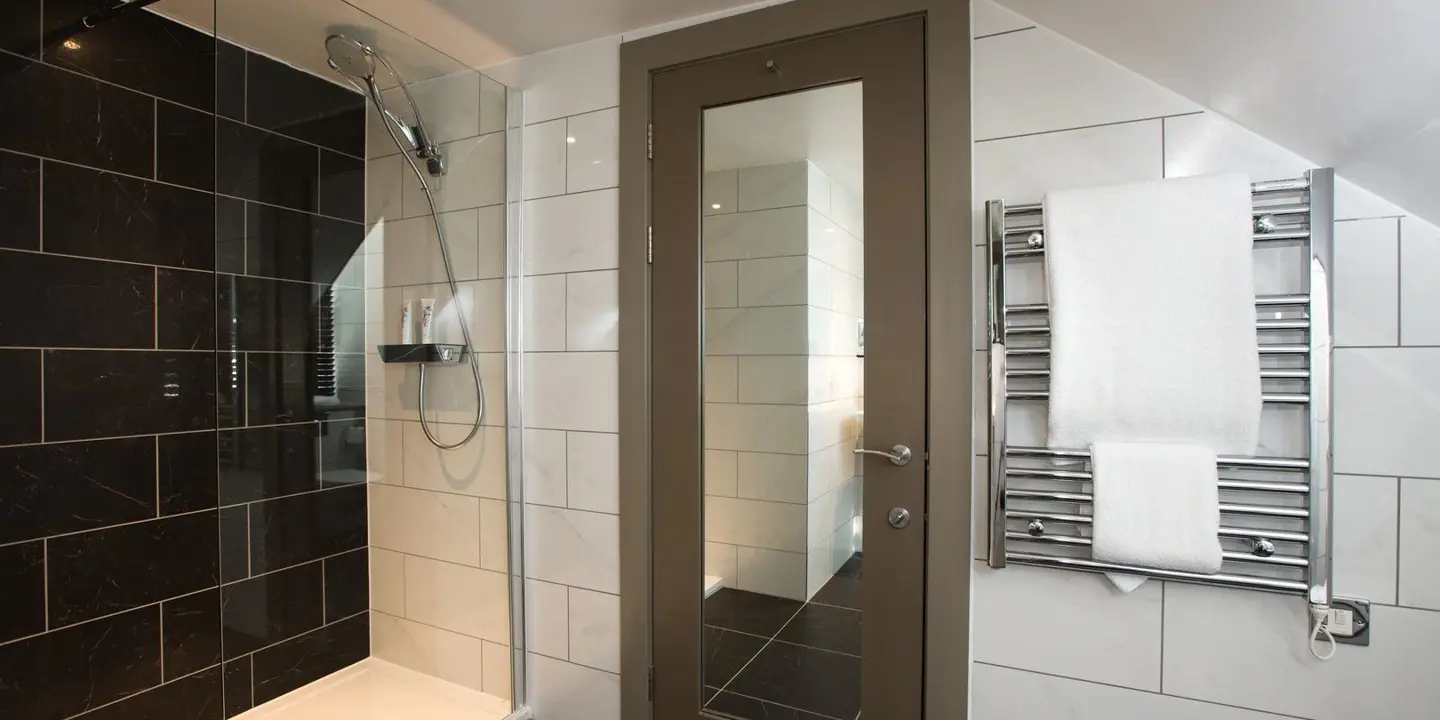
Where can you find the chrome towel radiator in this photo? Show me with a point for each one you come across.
(1274, 511)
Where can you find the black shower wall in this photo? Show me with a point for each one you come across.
(182, 495)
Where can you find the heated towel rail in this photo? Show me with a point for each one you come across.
(1274, 510)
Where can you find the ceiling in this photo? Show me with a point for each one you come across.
(823, 126)
(1347, 84)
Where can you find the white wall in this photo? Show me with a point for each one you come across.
(438, 532)
(1049, 115)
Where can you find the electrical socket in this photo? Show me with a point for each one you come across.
(1341, 622)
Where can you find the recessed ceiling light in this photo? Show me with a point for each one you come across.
(716, 206)
(570, 140)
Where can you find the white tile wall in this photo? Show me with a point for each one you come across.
(571, 233)
(771, 572)
(756, 524)
(387, 581)
(1002, 692)
(572, 547)
(773, 477)
(546, 298)
(721, 561)
(565, 691)
(1419, 294)
(477, 469)
(722, 378)
(722, 472)
(1386, 412)
(1366, 282)
(475, 177)
(457, 598)
(759, 428)
(592, 321)
(594, 471)
(1419, 539)
(545, 458)
(595, 629)
(1366, 537)
(988, 18)
(721, 192)
(547, 617)
(439, 653)
(774, 186)
(571, 391)
(429, 524)
(593, 159)
(766, 233)
(544, 157)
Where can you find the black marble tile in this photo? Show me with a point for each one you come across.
(184, 146)
(106, 571)
(748, 708)
(293, 245)
(230, 81)
(140, 50)
(20, 386)
(188, 474)
(21, 27)
(230, 389)
(237, 687)
(19, 201)
(292, 664)
(269, 462)
(257, 165)
(342, 452)
(67, 487)
(725, 652)
(825, 627)
(185, 309)
(301, 528)
(104, 215)
(230, 235)
(266, 315)
(301, 105)
(749, 612)
(71, 670)
(840, 591)
(805, 678)
(99, 393)
(347, 584)
(22, 605)
(195, 697)
(191, 633)
(234, 543)
(342, 186)
(53, 301)
(707, 693)
(281, 387)
(270, 608)
(61, 120)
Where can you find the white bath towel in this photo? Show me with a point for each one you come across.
(1156, 505)
(1152, 316)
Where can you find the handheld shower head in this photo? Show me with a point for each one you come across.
(357, 62)
(351, 57)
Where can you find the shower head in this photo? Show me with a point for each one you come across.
(351, 57)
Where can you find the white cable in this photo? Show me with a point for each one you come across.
(1320, 620)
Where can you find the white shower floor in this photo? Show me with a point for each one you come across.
(377, 690)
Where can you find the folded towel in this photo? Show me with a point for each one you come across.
(1157, 505)
(1152, 314)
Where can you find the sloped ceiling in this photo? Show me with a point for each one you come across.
(1354, 85)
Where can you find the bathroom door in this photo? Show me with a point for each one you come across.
(788, 196)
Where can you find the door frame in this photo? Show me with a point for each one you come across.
(949, 317)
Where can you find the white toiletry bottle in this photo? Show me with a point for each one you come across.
(427, 320)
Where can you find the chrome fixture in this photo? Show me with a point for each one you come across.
(898, 455)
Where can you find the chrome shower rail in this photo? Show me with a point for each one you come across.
(1274, 511)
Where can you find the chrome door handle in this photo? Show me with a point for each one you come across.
(899, 455)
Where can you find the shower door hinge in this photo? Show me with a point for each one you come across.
(649, 244)
(650, 141)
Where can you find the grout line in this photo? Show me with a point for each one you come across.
(1399, 285)
(1163, 585)
(1090, 127)
(324, 609)
(40, 180)
(105, 527)
(1162, 148)
(1399, 503)
(155, 151)
(612, 188)
(251, 658)
(52, 253)
(249, 545)
(155, 308)
(761, 650)
(157, 478)
(1004, 32)
(95, 711)
(45, 567)
(41, 353)
(161, 638)
(772, 702)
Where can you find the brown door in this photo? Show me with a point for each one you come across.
(788, 330)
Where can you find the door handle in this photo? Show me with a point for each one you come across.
(899, 455)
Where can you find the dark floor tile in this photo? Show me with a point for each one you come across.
(267, 315)
(257, 165)
(22, 604)
(19, 201)
(191, 633)
(269, 462)
(840, 591)
(347, 584)
(270, 608)
(104, 215)
(301, 528)
(21, 27)
(196, 697)
(143, 51)
(281, 387)
(67, 487)
(298, 662)
(185, 309)
(69, 671)
(747, 708)
(237, 687)
(230, 235)
(749, 612)
(184, 146)
(53, 301)
(230, 80)
(304, 106)
(234, 543)
(805, 678)
(60, 120)
(342, 452)
(188, 474)
(294, 245)
(342, 186)
(708, 693)
(20, 386)
(725, 652)
(824, 627)
(852, 566)
(105, 571)
(99, 393)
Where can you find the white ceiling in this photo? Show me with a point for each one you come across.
(1353, 85)
(823, 126)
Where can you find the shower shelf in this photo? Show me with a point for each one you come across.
(424, 353)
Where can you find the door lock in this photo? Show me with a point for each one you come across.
(899, 518)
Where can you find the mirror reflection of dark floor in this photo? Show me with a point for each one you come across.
(773, 658)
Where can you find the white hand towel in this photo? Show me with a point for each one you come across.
(1157, 505)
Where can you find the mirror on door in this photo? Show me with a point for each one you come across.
(784, 302)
